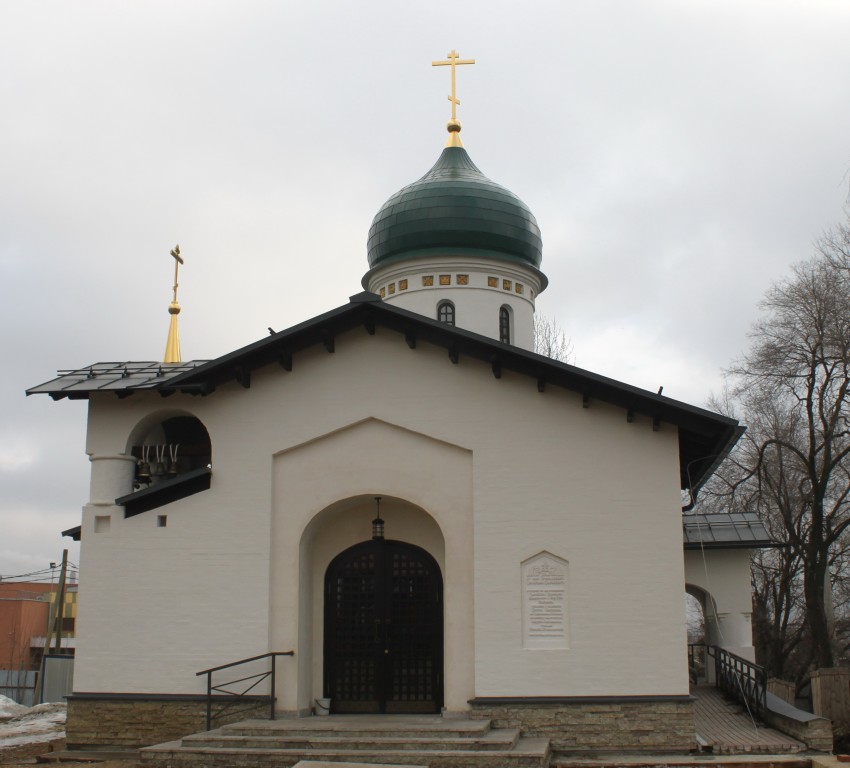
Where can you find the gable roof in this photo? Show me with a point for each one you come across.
(704, 437)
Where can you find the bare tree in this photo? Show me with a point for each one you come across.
(835, 246)
(551, 340)
(839, 568)
(792, 387)
(695, 619)
(779, 628)
(776, 573)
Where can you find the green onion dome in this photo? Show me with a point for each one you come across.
(454, 209)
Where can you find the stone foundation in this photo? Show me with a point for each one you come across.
(831, 698)
(103, 721)
(622, 723)
(625, 724)
(814, 732)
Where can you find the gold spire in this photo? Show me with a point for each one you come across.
(172, 346)
(453, 124)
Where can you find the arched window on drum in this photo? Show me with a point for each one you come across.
(505, 324)
(446, 312)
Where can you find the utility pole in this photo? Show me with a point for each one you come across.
(60, 597)
(57, 609)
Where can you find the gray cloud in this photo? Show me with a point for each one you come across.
(678, 157)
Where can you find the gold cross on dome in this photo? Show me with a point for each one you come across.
(453, 61)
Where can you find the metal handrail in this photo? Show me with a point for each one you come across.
(245, 694)
(740, 679)
(697, 661)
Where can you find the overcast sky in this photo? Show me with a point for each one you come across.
(679, 155)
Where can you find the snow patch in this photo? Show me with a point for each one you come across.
(9, 708)
(30, 725)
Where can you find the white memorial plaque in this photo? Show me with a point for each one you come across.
(544, 602)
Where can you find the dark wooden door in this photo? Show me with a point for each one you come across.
(384, 629)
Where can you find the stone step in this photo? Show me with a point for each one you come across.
(88, 756)
(326, 764)
(500, 739)
(526, 753)
(389, 726)
(682, 761)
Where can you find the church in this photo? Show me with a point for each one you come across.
(431, 517)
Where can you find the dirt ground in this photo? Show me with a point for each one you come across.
(26, 756)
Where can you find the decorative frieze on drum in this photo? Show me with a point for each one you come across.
(444, 281)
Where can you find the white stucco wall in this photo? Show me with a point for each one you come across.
(720, 578)
(483, 473)
(158, 599)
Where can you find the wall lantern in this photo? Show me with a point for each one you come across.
(378, 523)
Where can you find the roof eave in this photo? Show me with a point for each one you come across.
(700, 545)
(705, 437)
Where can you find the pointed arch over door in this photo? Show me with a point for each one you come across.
(383, 649)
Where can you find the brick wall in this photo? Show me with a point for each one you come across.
(643, 726)
(139, 722)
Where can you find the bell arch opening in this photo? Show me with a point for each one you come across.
(167, 445)
(171, 456)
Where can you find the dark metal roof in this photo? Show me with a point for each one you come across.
(704, 437)
(74, 533)
(454, 207)
(725, 531)
(121, 378)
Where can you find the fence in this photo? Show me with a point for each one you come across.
(18, 685)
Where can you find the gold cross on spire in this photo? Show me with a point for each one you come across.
(178, 260)
(172, 345)
(454, 124)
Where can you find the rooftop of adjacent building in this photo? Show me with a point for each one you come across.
(24, 590)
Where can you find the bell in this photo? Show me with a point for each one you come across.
(143, 472)
(172, 464)
(158, 467)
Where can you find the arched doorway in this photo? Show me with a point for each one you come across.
(703, 632)
(383, 646)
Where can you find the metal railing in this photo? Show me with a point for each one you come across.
(697, 662)
(228, 700)
(740, 679)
